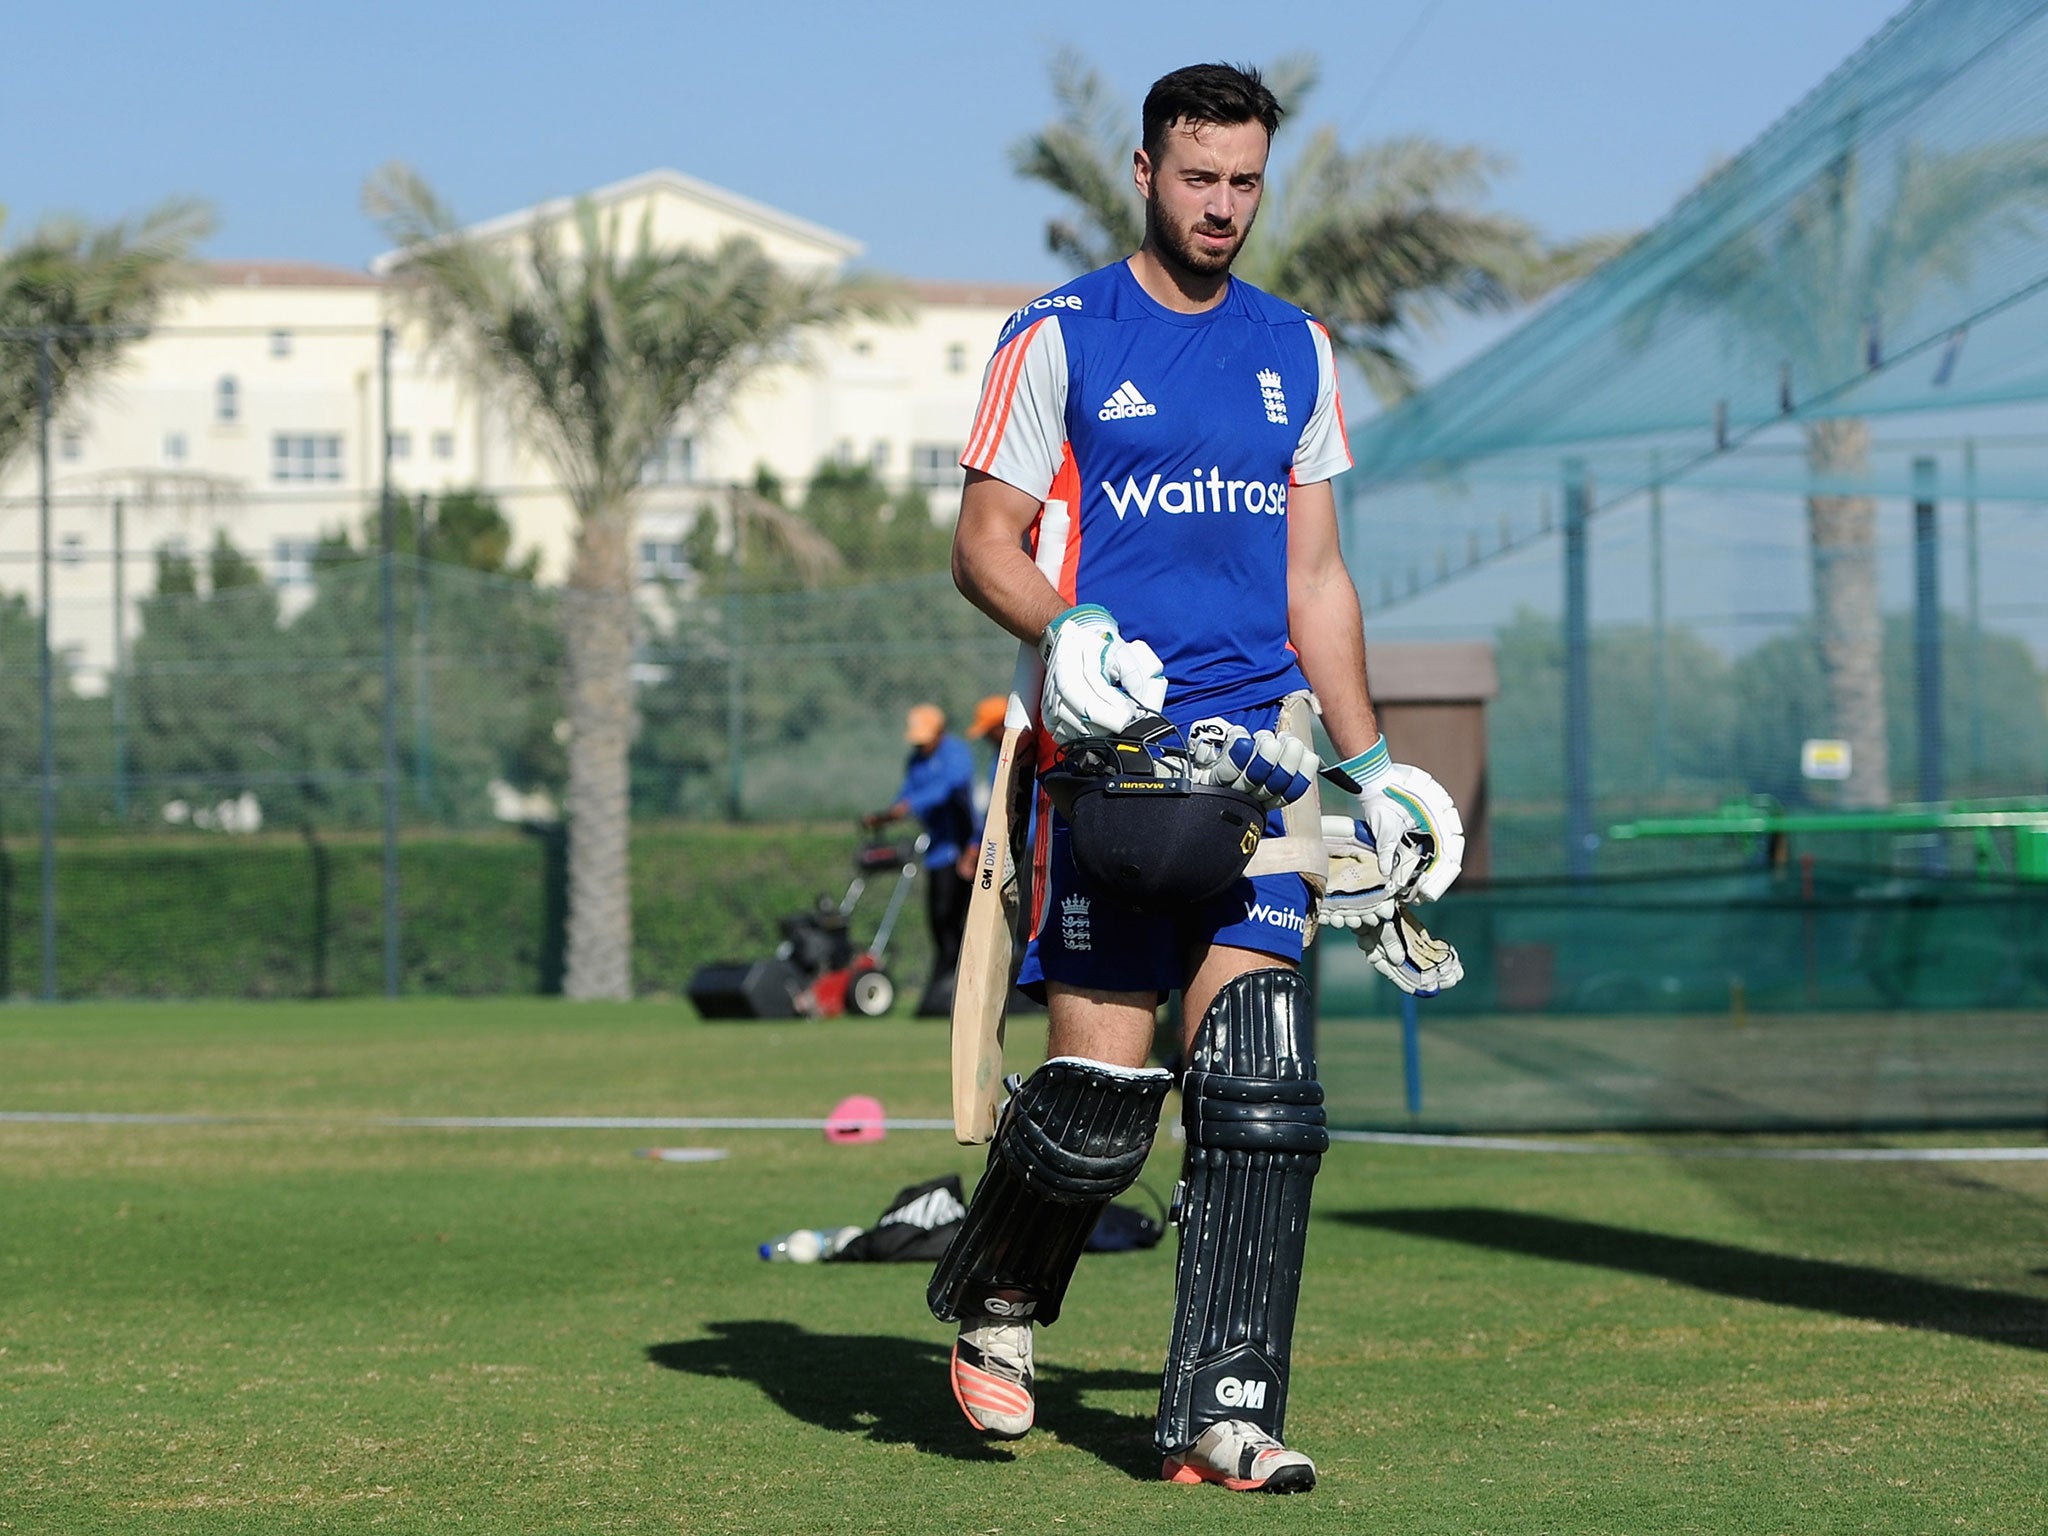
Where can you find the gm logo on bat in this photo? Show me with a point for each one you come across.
(988, 863)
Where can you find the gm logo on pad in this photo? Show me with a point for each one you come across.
(1232, 1393)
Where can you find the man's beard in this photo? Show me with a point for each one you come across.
(1180, 248)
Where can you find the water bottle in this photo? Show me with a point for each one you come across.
(807, 1245)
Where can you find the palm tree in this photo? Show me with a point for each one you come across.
(95, 290)
(1378, 242)
(1810, 296)
(597, 345)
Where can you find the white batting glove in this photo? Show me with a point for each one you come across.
(1367, 775)
(1409, 956)
(1096, 682)
(1359, 893)
(1273, 768)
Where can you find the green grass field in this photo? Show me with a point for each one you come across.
(302, 1322)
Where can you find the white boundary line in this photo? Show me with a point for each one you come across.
(457, 1122)
(793, 1123)
(1747, 1154)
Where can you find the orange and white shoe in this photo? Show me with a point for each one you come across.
(1242, 1457)
(992, 1375)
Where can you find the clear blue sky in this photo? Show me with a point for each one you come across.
(888, 122)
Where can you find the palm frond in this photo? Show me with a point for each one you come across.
(600, 339)
(1292, 78)
(97, 288)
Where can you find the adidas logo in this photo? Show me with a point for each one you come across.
(1126, 402)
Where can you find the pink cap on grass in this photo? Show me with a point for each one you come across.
(857, 1117)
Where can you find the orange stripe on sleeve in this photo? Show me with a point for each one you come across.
(985, 411)
(995, 406)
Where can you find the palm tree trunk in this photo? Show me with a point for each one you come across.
(598, 631)
(1843, 534)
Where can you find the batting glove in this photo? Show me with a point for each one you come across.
(1409, 956)
(1273, 768)
(1096, 682)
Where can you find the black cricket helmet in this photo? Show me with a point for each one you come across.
(1141, 830)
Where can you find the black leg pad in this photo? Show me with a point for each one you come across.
(1255, 1138)
(1073, 1137)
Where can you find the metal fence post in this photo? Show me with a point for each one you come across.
(1927, 628)
(118, 687)
(735, 713)
(1578, 696)
(422, 682)
(387, 613)
(1974, 673)
(47, 775)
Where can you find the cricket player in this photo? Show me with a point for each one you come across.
(1186, 426)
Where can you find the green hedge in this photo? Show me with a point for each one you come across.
(285, 916)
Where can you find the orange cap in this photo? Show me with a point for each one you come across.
(988, 715)
(924, 725)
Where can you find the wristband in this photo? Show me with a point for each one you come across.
(1088, 610)
(1366, 774)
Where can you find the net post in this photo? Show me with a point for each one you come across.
(45, 666)
(1660, 734)
(388, 618)
(1411, 1053)
(1578, 701)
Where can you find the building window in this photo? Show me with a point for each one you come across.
(878, 458)
(444, 445)
(174, 447)
(842, 453)
(401, 445)
(864, 348)
(291, 562)
(662, 560)
(72, 550)
(673, 462)
(935, 465)
(305, 456)
(227, 399)
(72, 444)
(280, 343)
(956, 358)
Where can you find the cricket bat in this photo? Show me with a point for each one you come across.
(1001, 893)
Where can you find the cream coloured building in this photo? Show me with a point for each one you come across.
(254, 409)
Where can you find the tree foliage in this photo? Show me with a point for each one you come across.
(1379, 241)
(224, 687)
(597, 341)
(96, 288)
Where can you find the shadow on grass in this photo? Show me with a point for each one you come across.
(1820, 1285)
(894, 1391)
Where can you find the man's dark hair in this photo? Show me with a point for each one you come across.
(1223, 94)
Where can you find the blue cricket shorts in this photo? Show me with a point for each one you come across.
(1086, 939)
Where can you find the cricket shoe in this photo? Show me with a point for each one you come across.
(1243, 1457)
(992, 1375)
